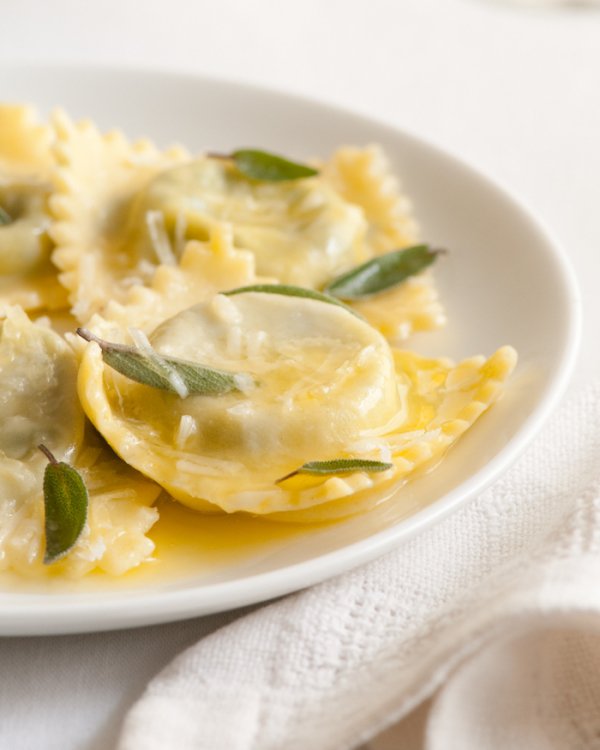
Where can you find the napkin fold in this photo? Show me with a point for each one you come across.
(494, 612)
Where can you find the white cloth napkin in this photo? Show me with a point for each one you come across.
(495, 612)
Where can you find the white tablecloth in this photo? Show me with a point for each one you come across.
(513, 90)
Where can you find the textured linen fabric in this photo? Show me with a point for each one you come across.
(495, 612)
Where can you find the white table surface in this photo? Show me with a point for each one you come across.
(515, 91)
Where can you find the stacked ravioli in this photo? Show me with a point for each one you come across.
(141, 245)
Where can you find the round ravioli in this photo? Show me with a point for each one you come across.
(300, 231)
(121, 210)
(314, 383)
(27, 275)
(38, 372)
(39, 405)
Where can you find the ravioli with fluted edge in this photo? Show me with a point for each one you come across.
(300, 231)
(123, 209)
(363, 177)
(96, 178)
(38, 405)
(319, 383)
(238, 351)
(27, 275)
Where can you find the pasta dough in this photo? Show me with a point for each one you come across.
(97, 178)
(123, 209)
(133, 241)
(38, 404)
(300, 231)
(27, 276)
(204, 269)
(363, 177)
(325, 385)
(38, 373)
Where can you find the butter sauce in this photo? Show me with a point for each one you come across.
(189, 546)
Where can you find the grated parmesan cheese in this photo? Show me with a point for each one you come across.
(225, 309)
(187, 428)
(365, 355)
(234, 342)
(155, 221)
(140, 339)
(244, 382)
(243, 409)
(255, 341)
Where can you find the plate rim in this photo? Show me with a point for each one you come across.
(103, 611)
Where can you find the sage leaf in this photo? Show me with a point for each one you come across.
(291, 291)
(5, 217)
(65, 506)
(178, 376)
(382, 272)
(338, 466)
(266, 167)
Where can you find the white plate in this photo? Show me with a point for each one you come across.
(505, 281)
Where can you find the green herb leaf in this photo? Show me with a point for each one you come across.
(338, 466)
(291, 291)
(260, 165)
(166, 373)
(5, 217)
(65, 504)
(382, 272)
